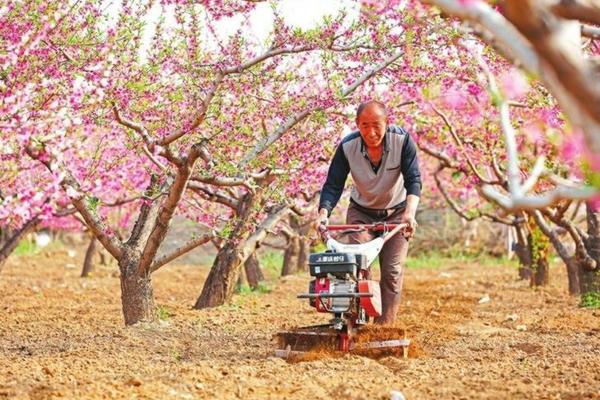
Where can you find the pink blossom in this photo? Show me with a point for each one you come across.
(594, 161)
(594, 203)
(573, 147)
(513, 84)
(468, 3)
(533, 132)
(454, 98)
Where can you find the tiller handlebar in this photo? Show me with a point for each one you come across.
(389, 230)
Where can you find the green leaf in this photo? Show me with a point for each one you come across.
(92, 203)
(592, 177)
(496, 98)
(590, 300)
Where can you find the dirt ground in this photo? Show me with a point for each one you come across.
(62, 336)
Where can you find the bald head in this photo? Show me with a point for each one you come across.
(371, 105)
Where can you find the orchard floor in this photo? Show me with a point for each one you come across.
(62, 336)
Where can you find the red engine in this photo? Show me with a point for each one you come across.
(318, 286)
(342, 296)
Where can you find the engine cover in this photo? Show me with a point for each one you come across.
(339, 265)
(332, 286)
(339, 286)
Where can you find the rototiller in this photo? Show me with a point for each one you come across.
(341, 287)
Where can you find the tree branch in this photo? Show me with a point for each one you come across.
(368, 75)
(262, 230)
(149, 146)
(449, 200)
(547, 199)
(460, 144)
(293, 120)
(580, 249)
(93, 221)
(587, 11)
(556, 44)
(167, 209)
(200, 116)
(312, 202)
(139, 128)
(221, 181)
(518, 48)
(562, 251)
(214, 196)
(589, 31)
(445, 160)
(482, 14)
(12, 242)
(454, 206)
(518, 198)
(273, 245)
(148, 211)
(269, 54)
(497, 170)
(189, 246)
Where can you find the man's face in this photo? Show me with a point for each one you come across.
(372, 123)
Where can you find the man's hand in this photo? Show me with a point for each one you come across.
(320, 224)
(322, 219)
(409, 218)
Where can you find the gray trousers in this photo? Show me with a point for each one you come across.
(391, 258)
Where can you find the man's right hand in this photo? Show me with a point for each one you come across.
(322, 219)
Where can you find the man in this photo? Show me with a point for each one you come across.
(383, 163)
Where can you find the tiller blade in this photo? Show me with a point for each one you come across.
(374, 343)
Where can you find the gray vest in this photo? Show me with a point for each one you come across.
(382, 189)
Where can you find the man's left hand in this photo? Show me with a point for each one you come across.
(409, 218)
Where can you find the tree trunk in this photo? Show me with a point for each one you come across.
(589, 279)
(4, 234)
(304, 249)
(220, 283)
(525, 273)
(303, 254)
(539, 246)
(240, 282)
(254, 274)
(13, 241)
(291, 256)
(103, 258)
(573, 276)
(523, 252)
(137, 295)
(540, 276)
(88, 262)
(571, 262)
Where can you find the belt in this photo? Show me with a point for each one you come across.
(378, 213)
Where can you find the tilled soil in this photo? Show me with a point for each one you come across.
(62, 336)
